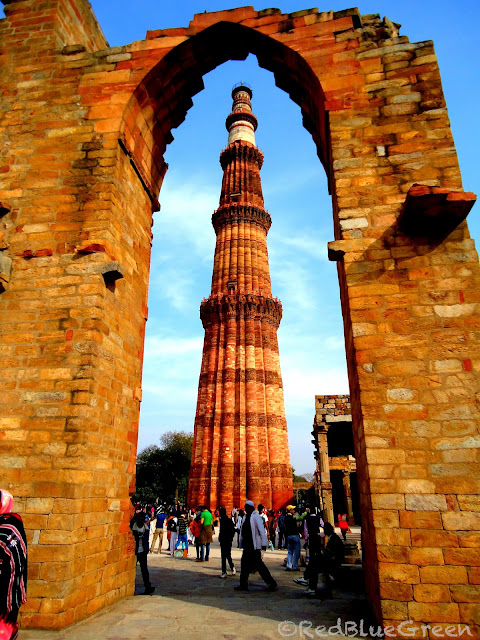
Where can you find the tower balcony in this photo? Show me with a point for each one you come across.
(221, 307)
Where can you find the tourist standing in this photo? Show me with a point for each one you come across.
(272, 526)
(225, 537)
(238, 524)
(13, 564)
(196, 529)
(158, 533)
(182, 531)
(173, 531)
(281, 530)
(141, 533)
(292, 534)
(206, 534)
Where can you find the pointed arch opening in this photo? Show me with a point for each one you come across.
(161, 101)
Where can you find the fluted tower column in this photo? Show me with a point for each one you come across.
(240, 448)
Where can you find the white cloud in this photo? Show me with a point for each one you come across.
(163, 347)
(185, 218)
(335, 343)
(304, 245)
(302, 384)
(174, 285)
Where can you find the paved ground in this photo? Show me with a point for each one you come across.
(191, 601)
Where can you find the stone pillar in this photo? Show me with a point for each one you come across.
(325, 484)
(348, 495)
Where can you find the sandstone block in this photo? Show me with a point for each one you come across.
(440, 539)
(425, 502)
(386, 519)
(420, 519)
(463, 557)
(431, 593)
(388, 501)
(441, 612)
(466, 593)
(461, 520)
(443, 575)
(426, 556)
(396, 591)
(394, 572)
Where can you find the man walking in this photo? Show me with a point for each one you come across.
(253, 539)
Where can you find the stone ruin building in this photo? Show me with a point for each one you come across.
(240, 449)
(83, 130)
(336, 467)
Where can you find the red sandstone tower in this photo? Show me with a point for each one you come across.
(240, 448)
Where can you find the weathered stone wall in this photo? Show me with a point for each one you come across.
(72, 341)
(76, 214)
(327, 408)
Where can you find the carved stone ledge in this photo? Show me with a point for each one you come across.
(434, 211)
(241, 150)
(235, 213)
(240, 305)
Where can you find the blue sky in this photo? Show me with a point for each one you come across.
(312, 351)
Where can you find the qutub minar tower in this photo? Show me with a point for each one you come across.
(240, 448)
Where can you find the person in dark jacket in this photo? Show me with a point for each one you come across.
(282, 541)
(225, 537)
(13, 565)
(141, 534)
(326, 561)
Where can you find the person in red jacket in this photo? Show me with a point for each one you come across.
(343, 524)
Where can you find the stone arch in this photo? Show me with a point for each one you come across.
(169, 86)
(80, 246)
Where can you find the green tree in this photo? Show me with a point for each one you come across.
(162, 471)
(297, 478)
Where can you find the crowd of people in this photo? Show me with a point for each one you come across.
(256, 530)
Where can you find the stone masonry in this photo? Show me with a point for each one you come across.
(240, 448)
(330, 412)
(83, 130)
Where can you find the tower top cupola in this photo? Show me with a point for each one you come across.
(241, 123)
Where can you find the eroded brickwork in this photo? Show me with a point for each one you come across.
(83, 130)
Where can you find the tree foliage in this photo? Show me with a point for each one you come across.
(162, 471)
(305, 477)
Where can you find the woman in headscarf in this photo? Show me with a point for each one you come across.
(13, 564)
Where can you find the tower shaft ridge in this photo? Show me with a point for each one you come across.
(240, 448)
